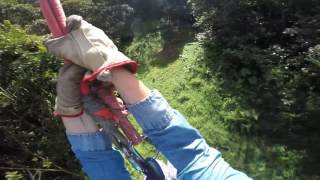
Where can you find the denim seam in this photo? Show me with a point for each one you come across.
(147, 99)
(79, 141)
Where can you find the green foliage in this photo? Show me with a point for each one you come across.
(314, 55)
(114, 17)
(23, 59)
(18, 13)
(31, 139)
(144, 48)
(266, 53)
(258, 23)
(173, 12)
(263, 52)
(13, 175)
(79, 7)
(38, 27)
(217, 114)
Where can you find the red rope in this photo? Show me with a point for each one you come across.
(53, 12)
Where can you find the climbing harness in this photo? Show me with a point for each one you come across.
(124, 136)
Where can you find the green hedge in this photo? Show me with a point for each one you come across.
(30, 136)
(267, 55)
(18, 13)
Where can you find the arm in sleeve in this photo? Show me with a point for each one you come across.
(97, 157)
(182, 144)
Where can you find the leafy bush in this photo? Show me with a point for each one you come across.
(18, 13)
(31, 140)
(38, 27)
(114, 17)
(264, 49)
(267, 54)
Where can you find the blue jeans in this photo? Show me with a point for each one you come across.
(169, 132)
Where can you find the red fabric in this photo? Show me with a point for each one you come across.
(84, 87)
(105, 114)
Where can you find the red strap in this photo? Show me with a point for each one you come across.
(105, 114)
(84, 87)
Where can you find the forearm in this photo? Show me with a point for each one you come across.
(171, 134)
(130, 88)
(182, 144)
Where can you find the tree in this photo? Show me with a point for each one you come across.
(261, 50)
(114, 17)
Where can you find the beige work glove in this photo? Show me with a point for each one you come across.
(68, 101)
(88, 47)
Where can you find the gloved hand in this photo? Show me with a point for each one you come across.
(69, 105)
(68, 102)
(88, 47)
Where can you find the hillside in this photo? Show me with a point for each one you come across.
(184, 82)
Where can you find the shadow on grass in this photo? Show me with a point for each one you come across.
(174, 41)
(169, 51)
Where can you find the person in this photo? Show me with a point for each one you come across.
(184, 147)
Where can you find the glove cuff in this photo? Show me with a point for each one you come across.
(132, 66)
(57, 114)
(62, 111)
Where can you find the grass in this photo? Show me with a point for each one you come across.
(186, 84)
(190, 87)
